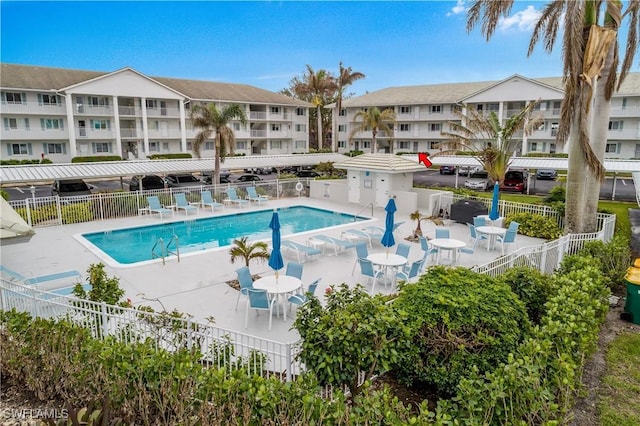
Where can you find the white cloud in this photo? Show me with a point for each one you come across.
(458, 8)
(523, 21)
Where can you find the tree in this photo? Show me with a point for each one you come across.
(242, 249)
(491, 142)
(375, 120)
(317, 88)
(590, 63)
(210, 119)
(346, 77)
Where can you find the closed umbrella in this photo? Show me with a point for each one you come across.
(275, 259)
(387, 238)
(494, 214)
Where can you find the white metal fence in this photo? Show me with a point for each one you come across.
(230, 349)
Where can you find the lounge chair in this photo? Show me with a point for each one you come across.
(206, 200)
(183, 204)
(252, 195)
(60, 278)
(376, 230)
(156, 207)
(302, 251)
(356, 234)
(336, 243)
(232, 197)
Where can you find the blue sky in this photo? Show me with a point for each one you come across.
(266, 44)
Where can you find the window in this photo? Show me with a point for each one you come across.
(435, 127)
(624, 103)
(10, 123)
(434, 145)
(436, 109)
(342, 144)
(209, 146)
(151, 104)
(300, 111)
(615, 125)
(493, 107)
(276, 144)
(96, 101)
(100, 125)
(235, 127)
(241, 145)
(405, 110)
(612, 148)
(366, 144)
(275, 127)
(403, 144)
(51, 124)
(301, 127)
(534, 146)
(479, 107)
(405, 127)
(54, 148)
(104, 146)
(275, 110)
(342, 127)
(554, 129)
(301, 144)
(14, 98)
(154, 147)
(165, 146)
(20, 149)
(48, 99)
(343, 112)
(556, 107)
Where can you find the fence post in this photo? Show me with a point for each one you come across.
(189, 334)
(59, 209)
(105, 320)
(101, 206)
(543, 259)
(288, 362)
(28, 209)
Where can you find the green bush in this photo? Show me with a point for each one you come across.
(23, 162)
(614, 257)
(39, 215)
(76, 213)
(547, 155)
(535, 225)
(96, 158)
(459, 320)
(557, 193)
(4, 194)
(532, 287)
(177, 155)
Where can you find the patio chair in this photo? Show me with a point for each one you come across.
(375, 230)
(424, 245)
(442, 233)
(252, 195)
(361, 253)
(509, 238)
(156, 207)
(336, 243)
(246, 282)
(62, 278)
(367, 270)
(475, 238)
(232, 197)
(513, 226)
(259, 301)
(206, 200)
(300, 249)
(357, 234)
(294, 270)
(411, 271)
(403, 250)
(183, 204)
(479, 221)
(301, 299)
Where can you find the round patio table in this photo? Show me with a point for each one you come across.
(492, 232)
(279, 287)
(450, 244)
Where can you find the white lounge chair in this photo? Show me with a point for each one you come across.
(206, 200)
(252, 195)
(156, 207)
(336, 243)
(302, 251)
(183, 204)
(232, 197)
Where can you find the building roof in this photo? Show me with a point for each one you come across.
(390, 163)
(454, 92)
(28, 77)
(49, 172)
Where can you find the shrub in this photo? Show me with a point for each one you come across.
(76, 213)
(4, 194)
(96, 158)
(103, 289)
(459, 320)
(177, 155)
(557, 193)
(614, 258)
(532, 287)
(535, 225)
(22, 162)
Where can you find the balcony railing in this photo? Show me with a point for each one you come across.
(257, 115)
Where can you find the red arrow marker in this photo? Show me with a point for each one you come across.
(422, 158)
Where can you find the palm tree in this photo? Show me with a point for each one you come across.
(210, 119)
(315, 87)
(242, 249)
(375, 120)
(590, 62)
(491, 142)
(346, 77)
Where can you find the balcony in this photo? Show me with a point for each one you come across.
(257, 115)
(163, 112)
(33, 108)
(95, 110)
(164, 133)
(130, 111)
(128, 133)
(258, 133)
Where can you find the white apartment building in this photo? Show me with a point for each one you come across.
(63, 113)
(423, 112)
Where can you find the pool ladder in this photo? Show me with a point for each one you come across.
(162, 250)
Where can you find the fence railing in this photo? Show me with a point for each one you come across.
(229, 349)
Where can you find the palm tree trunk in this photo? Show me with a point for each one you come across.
(334, 132)
(373, 141)
(576, 178)
(216, 161)
(319, 133)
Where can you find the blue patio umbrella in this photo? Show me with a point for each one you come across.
(494, 214)
(275, 259)
(387, 238)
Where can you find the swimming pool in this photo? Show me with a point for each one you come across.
(133, 245)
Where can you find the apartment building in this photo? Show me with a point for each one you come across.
(63, 113)
(423, 112)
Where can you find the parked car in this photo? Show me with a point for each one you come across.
(174, 181)
(307, 174)
(447, 170)
(70, 188)
(260, 170)
(514, 180)
(468, 170)
(546, 174)
(224, 178)
(248, 178)
(148, 182)
(479, 181)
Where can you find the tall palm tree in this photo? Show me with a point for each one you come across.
(210, 119)
(590, 63)
(491, 142)
(375, 120)
(346, 77)
(317, 88)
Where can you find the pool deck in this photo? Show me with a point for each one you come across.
(196, 285)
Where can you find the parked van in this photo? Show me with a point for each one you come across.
(69, 188)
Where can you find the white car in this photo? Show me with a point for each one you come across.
(479, 181)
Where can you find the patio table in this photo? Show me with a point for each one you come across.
(388, 261)
(450, 244)
(492, 232)
(279, 287)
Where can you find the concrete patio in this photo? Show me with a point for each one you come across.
(197, 283)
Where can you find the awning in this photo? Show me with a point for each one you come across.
(13, 228)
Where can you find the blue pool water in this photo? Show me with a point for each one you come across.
(133, 245)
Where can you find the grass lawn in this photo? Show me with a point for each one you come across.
(619, 403)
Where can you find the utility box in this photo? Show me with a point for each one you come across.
(632, 305)
(464, 211)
